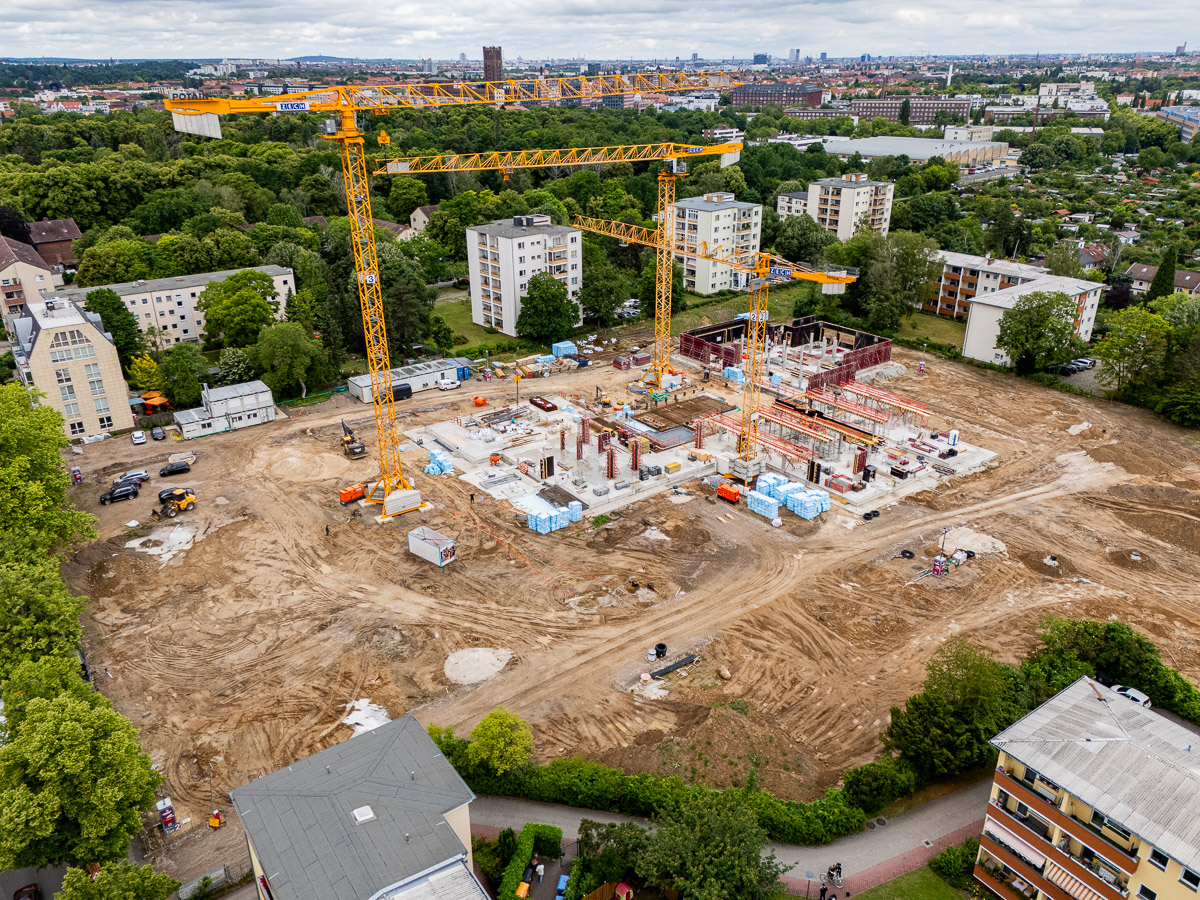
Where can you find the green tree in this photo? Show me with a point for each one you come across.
(605, 289)
(120, 880)
(440, 335)
(1163, 282)
(236, 366)
(144, 375)
(290, 356)
(238, 308)
(116, 261)
(35, 516)
(1039, 156)
(284, 214)
(905, 111)
(900, 278)
(119, 322)
(1134, 348)
(800, 239)
(548, 313)
(502, 741)
(407, 302)
(711, 848)
(1063, 259)
(179, 374)
(230, 249)
(72, 785)
(44, 678)
(1038, 331)
(38, 615)
(406, 194)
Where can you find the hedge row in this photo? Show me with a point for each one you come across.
(591, 785)
(543, 840)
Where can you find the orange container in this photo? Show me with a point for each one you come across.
(728, 492)
(352, 493)
(481, 401)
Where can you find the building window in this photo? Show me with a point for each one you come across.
(1191, 879)
(146, 300)
(67, 391)
(92, 370)
(1144, 893)
(63, 376)
(520, 259)
(76, 427)
(105, 423)
(71, 410)
(88, 352)
(521, 245)
(97, 387)
(101, 405)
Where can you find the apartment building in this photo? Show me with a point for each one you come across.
(820, 112)
(1094, 798)
(987, 311)
(720, 220)
(794, 203)
(843, 205)
(24, 276)
(1185, 280)
(922, 111)
(968, 132)
(62, 350)
(782, 94)
(504, 255)
(723, 135)
(169, 304)
(1185, 118)
(965, 275)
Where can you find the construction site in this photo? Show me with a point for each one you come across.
(700, 555)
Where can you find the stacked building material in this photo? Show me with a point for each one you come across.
(760, 503)
(733, 373)
(575, 510)
(808, 503)
(563, 348)
(439, 464)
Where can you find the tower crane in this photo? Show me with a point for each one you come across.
(675, 157)
(342, 104)
(763, 268)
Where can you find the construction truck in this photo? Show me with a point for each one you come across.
(352, 446)
(173, 503)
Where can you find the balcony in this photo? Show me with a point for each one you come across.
(1025, 872)
(1082, 832)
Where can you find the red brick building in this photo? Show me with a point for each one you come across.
(52, 239)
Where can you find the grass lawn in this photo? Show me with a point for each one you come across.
(455, 308)
(922, 884)
(933, 328)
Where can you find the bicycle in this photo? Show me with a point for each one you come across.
(835, 880)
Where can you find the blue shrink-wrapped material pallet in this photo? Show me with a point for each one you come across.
(575, 509)
(564, 348)
(767, 481)
(776, 378)
(783, 491)
(733, 373)
(809, 503)
(439, 464)
(762, 504)
(548, 358)
(562, 518)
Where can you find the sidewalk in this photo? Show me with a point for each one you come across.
(868, 858)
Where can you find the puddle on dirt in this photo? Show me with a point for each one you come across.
(165, 543)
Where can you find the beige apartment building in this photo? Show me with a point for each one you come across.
(62, 350)
(843, 205)
(1095, 797)
(722, 221)
(23, 277)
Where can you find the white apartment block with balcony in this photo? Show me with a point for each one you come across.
(792, 204)
(843, 205)
(719, 220)
(504, 255)
(169, 304)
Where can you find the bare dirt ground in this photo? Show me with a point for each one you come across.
(243, 650)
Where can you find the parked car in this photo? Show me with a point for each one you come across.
(29, 892)
(447, 384)
(126, 490)
(157, 433)
(138, 475)
(1086, 361)
(175, 468)
(1132, 694)
(139, 437)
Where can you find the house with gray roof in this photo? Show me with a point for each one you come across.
(381, 816)
(1096, 796)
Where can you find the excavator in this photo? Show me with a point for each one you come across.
(352, 447)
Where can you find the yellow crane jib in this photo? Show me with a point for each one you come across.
(508, 161)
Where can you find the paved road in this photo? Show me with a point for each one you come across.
(868, 858)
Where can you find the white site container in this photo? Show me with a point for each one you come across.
(432, 546)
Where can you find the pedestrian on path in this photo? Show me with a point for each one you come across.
(326, 531)
(824, 891)
(541, 870)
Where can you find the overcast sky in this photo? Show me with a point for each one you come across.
(585, 28)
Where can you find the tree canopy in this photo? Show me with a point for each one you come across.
(238, 308)
(548, 313)
(291, 357)
(1038, 331)
(119, 322)
(502, 741)
(119, 880)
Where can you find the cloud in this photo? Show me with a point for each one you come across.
(596, 29)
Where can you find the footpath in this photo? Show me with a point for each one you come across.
(868, 858)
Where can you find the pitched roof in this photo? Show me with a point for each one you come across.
(1006, 298)
(314, 839)
(14, 252)
(430, 210)
(50, 230)
(1185, 280)
(1132, 764)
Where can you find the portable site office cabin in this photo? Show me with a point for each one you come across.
(432, 546)
(228, 408)
(420, 376)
